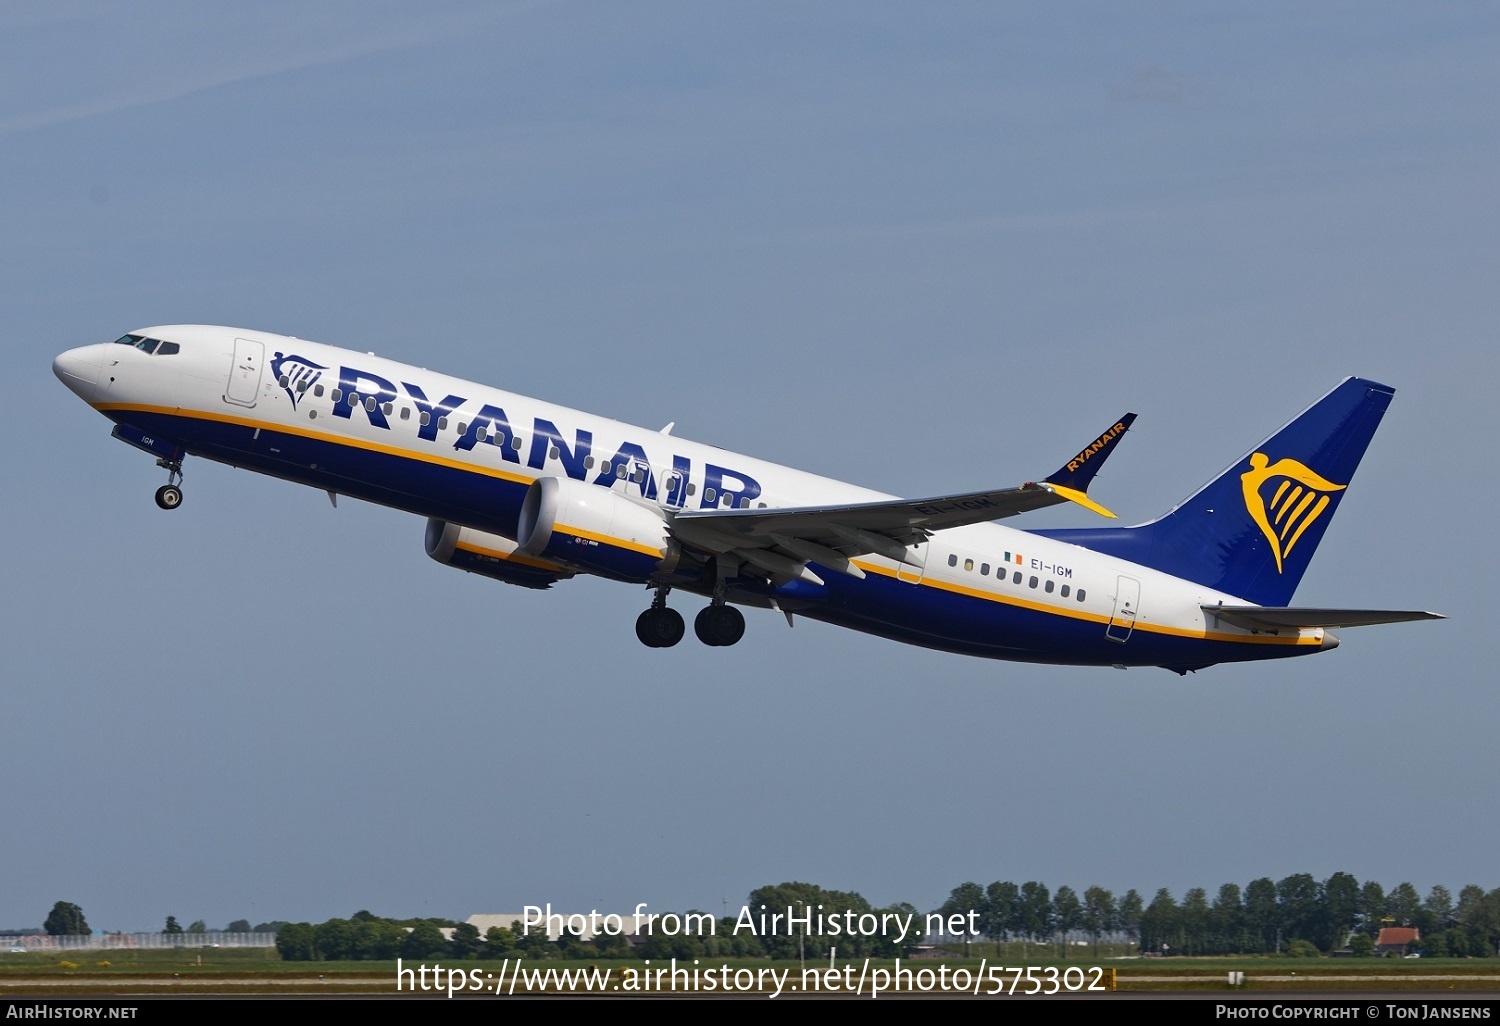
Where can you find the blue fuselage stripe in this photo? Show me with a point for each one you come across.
(922, 615)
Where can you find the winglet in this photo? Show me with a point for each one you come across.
(1074, 495)
(1073, 478)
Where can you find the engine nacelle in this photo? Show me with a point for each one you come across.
(597, 530)
(489, 555)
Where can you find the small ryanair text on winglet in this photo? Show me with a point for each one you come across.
(694, 977)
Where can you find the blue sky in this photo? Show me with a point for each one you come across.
(923, 249)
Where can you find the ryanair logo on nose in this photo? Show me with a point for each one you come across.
(1297, 501)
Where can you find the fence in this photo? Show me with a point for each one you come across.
(116, 941)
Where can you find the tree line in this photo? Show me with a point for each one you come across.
(67, 920)
(1296, 915)
(368, 937)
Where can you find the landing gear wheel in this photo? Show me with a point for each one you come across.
(660, 627)
(719, 625)
(169, 495)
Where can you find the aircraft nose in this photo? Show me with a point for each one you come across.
(79, 370)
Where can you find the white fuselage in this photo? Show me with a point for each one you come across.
(466, 453)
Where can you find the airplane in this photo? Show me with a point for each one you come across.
(530, 493)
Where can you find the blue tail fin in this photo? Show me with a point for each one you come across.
(1252, 530)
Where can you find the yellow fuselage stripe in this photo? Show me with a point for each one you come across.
(504, 475)
(1150, 628)
(320, 436)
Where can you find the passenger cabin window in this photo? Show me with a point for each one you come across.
(336, 395)
(709, 495)
(480, 433)
(318, 391)
(552, 453)
(1080, 594)
(424, 419)
(952, 559)
(442, 423)
(1031, 583)
(406, 413)
(692, 488)
(1017, 578)
(1048, 588)
(515, 442)
(389, 407)
(984, 569)
(968, 564)
(370, 404)
(1064, 591)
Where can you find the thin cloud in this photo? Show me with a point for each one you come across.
(252, 68)
(1156, 86)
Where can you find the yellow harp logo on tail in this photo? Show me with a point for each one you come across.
(1299, 499)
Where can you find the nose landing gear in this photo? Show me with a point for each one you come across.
(169, 495)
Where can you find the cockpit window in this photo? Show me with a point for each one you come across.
(149, 345)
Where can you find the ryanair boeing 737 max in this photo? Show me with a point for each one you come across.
(530, 493)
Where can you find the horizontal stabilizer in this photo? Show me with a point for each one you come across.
(1273, 618)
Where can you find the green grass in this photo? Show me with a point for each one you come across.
(259, 971)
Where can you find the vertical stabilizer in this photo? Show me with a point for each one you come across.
(1252, 530)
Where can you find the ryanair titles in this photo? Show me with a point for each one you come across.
(484, 424)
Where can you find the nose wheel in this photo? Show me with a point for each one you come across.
(169, 495)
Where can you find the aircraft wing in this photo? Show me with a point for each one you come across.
(783, 541)
(1273, 618)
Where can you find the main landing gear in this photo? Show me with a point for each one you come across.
(662, 627)
(659, 626)
(719, 625)
(169, 495)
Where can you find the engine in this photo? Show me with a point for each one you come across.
(594, 529)
(490, 556)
